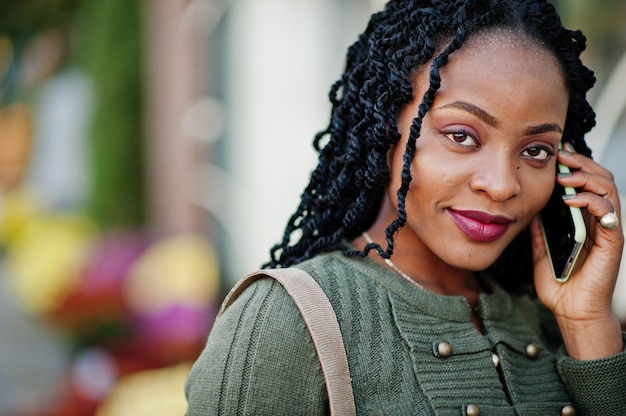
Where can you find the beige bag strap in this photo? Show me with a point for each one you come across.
(320, 319)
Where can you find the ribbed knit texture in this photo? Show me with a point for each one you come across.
(593, 396)
(260, 360)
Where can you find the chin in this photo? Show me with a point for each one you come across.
(474, 260)
(475, 267)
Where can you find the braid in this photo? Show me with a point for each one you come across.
(427, 101)
(346, 188)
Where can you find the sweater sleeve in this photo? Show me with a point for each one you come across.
(259, 360)
(598, 387)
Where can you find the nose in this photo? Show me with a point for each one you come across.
(498, 178)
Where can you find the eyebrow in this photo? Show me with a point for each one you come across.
(493, 122)
(544, 128)
(474, 110)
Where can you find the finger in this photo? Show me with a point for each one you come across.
(607, 218)
(589, 176)
(595, 204)
(590, 182)
(579, 162)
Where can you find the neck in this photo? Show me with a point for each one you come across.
(459, 283)
(427, 274)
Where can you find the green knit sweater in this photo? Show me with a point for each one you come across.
(260, 360)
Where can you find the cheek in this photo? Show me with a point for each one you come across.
(440, 170)
(538, 191)
(434, 182)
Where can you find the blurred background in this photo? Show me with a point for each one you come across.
(151, 152)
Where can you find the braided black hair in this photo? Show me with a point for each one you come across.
(347, 186)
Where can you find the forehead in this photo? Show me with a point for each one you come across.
(509, 54)
(509, 76)
(496, 41)
(498, 58)
(501, 38)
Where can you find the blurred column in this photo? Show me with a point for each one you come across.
(281, 56)
(176, 70)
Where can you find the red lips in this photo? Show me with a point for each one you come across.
(480, 226)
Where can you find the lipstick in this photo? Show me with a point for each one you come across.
(480, 226)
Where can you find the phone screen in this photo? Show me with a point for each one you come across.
(564, 233)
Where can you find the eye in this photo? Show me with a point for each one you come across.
(462, 138)
(539, 153)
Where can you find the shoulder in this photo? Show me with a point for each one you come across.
(335, 271)
(262, 304)
(265, 298)
(350, 283)
(330, 268)
(258, 352)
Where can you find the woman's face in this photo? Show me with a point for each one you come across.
(486, 156)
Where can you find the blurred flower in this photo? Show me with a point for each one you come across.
(172, 291)
(95, 310)
(152, 392)
(180, 269)
(17, 207)
(45, 258)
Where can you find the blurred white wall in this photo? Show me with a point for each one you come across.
(282, 58)
(608, 142)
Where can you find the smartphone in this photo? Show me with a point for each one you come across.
(564, 230)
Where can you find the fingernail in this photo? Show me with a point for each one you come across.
(563, 174)
(565, 152)
(568, 147)
(568, 196)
